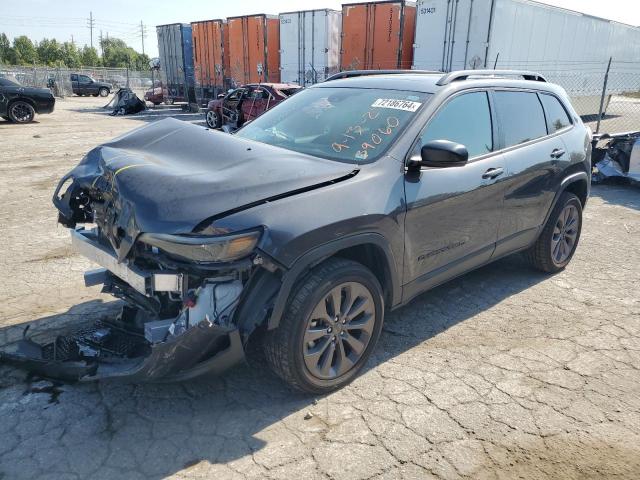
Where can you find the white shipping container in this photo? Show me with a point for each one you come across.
(569, 48)
(309, 45)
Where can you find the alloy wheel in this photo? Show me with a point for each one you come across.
(212, 119)
(565, 233)
(21, 112)
(339, 330)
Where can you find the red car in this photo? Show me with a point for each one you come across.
(247, 102)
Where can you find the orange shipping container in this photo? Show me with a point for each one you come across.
(210, 56)
(377, 35)
(254, 45)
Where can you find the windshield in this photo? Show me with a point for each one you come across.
(354, 125)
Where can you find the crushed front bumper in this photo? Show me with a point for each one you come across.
(198, 340)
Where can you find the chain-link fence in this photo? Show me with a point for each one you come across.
(609, 92)
(58, 79)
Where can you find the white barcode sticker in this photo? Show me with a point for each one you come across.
(405, 105)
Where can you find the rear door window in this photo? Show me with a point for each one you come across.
(557, 117)
(466, 119)
(521, 117)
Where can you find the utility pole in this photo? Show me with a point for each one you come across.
(91, 24)
(101, 47)
(72, 42)
(142, 34)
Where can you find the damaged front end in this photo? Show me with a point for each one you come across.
(177, 321)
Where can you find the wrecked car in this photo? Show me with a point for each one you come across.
(243, 104)
(20, 104)
(126, 102)
(297, 232)
(616, 155)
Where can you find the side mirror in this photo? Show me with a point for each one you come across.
(440, 154)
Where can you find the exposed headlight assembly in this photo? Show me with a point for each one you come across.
(204, 249)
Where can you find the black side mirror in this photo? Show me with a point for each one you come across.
(441, 154)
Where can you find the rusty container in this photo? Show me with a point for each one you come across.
(254, 44)
(210, 57)
(377, 35)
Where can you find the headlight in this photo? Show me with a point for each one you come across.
(218, 248)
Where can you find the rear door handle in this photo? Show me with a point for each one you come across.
(493, 173)
(557, 153)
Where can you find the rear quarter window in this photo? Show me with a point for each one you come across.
(557, 117)
(521, 117)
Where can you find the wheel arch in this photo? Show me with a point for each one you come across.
(577, 183)
(370, 249)
(22, 99)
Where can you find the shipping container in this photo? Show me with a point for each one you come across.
(176, 61)
(377, 35)
(309, 45)
(569, 48)
(254, 44)
(210, 57)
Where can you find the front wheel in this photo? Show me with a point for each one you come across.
(213, 119)
(329, 329)
(21, 112)
(559, 239)
(103, 92)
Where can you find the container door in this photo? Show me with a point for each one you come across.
(272, 47)
(431, 34)
(255, 66)
(334, 29)
(354, 37)
(385, 48)
(290, 47)
(315, 46)
(237, 51)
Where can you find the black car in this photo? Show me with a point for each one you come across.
(20, 104)
(298, 232)
(85, 85)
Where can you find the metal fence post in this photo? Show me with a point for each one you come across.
(604, 92)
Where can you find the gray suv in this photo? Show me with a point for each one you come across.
(299, 231)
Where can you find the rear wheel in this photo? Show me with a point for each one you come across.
(21, 112)
(559, 239)
(329, 328)
(103, 92)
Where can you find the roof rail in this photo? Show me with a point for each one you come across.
(364, 73)
(465, 74)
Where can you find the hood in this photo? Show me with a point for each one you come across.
(170, 176)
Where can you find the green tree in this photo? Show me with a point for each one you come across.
(89, 57)
(116, 53)
(50, 52)
(25, 52)
(5, 48)
(70, 55)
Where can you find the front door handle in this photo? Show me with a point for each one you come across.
(493, 173)
(557, 153)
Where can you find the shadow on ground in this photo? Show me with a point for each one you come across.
(161, 429)
(152, 114)
(615, 191)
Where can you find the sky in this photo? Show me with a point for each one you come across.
(69, 19)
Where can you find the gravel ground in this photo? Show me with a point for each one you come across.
(503, 373)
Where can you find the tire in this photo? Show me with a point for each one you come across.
(103, 92)
(213, 119)
(169, 101)
(21, 112)
(329, 361)
(559, 239)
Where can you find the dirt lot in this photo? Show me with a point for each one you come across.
(504, 373)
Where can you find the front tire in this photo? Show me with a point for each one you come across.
(21, 112)
(103, 92)
(213, 119)
(559, 239)
(329, 329)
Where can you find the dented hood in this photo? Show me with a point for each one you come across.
(169, 176)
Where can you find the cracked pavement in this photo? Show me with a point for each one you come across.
(502, 373)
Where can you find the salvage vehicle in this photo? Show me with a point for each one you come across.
(20, 104)
(243, 104)
(297, 232)
(85, 85)
(616, 155)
